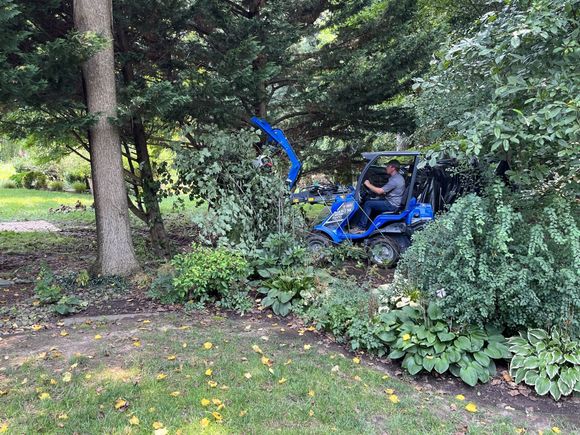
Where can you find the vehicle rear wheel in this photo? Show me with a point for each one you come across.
(383, 251)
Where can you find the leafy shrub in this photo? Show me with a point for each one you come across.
(425, 342)
(207, 274)
(237, 300)
(57, 186)
(508, 260)
(547, 362)
(162, 288)
(288, 288)
(17, 178)
(338, 306)
(34, 180)
(8, 184)
(77, 175)
(69, 305)
(79, 187)
(337, 255)
(46, 290)
(279, 251)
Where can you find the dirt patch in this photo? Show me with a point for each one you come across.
(28, 226)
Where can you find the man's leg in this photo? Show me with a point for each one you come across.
(378, 205)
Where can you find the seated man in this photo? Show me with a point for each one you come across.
(393, 196)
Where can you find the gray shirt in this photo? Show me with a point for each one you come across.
(394, 189)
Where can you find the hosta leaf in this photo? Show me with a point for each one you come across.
(521, 350)
(445, 336)
(491, 368)
(284, 309)
(454, 369)
(439, 347)
(468, 375)
(453, 355)
(429, 363)
(483, 376)
(441, 364)
(555, 391)
(476, 344)
(542, 385)
(481, 358)
(520, 375)
(531, 362)
(412, 367)
(570, 376)
(396, 354)
(535, 335)
(552, 370)
(267, 301)
(572, 358)
(564, 388)
(434, 312)
(463, 342)
(531, 377)
(387, 336)
(517, 362)
(285, 297)
(516, 341)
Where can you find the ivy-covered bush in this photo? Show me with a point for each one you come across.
(550, 363)
(34, 180)
(498, 259)
(245, 203)
(425, 342)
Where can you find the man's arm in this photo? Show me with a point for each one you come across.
(375, 189)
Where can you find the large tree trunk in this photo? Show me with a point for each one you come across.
(116, 255)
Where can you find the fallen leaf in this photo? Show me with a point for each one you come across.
(157, 425)
(212, 384)
(356, 360)
(67, 377)
(208, 372)
(160, 376)
(36, 327)
(247, 375)
(62, 416)
(288, 362)
(137, 343)
(218, 417)
(460, 397)
(175, 393)
(390, 391)
(98, 337)
(471, 407)
(204, 422)
(311, 328)
(63, 333)
(506, 376)
(242, 413)
(207, 345)
(282, 381)
(385, 377)
(44, 396)
(311, 393)
(171, 357)
(266, 361)
(184, 327)
(3, 393)
(88, 376)
(307, 347)
(184, 345)
(121, 404)
(134, 421)
(257, 349)
(311, 413)
(52, 382)
(556, 429)
(393, 398)
(216, 402)
(520, 430)
(4, 427)
(335, 369)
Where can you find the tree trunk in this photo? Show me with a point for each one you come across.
(116, 255)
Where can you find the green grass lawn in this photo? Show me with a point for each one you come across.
(136, 376)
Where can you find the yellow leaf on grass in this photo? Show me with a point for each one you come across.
(205, 402)
(3, 392)
(207, 345)
(460, 397)
(307, 347)
(385, 377)
(390, 391)
(63, 333)
(257, 349)
(88, 376)
(520, 430)
(393, 398)
(406, 337)
(36, 327)
(266, 361)
(217, 416)
(247, 375)
(242, 413)
(98, 337)
(171, 357)
(288, 362)
(208, 372)
(3, 427)
(311, 393)
(44, 396)
(52, 382)
(120, 403)
(184, 327)
(157, 425)
(161, 376)
(282, 381)
(67, 377)
(212, 384)
(311, 412)
(204, 422)
(134, 421)
(471, 407)
(311, 328)
(175, 393)
(184, 345)
(62, 416)
(356, 360)
(137, 343)
(216, 402)
(556, 429)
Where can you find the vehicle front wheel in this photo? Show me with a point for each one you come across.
(383, 251)
(318, 242)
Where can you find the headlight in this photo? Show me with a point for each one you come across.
(341, 213)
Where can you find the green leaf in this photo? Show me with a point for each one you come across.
(453, 354)
(441, 364)
(463, 342)
(536, 335)
(552, 370)
(481, 358)
(396, 354)
(412, 367)
(517, 362)
(531, 362)
(555, 391)
(542, 385)
(531, 377)
(267, 301)
(468, 375)
(445, 336)
(429, 363)
(520, 375)
(387, 336)
(564, 388)
(285, 297)
(434, 312)
(284, 309)
(439, 347)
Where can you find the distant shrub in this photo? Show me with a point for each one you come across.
(46, 289)
(57, 186)
(8, 184)
(79, 187)
(17, 178)
(77, 176)
(34, 180)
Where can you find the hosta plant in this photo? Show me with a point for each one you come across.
(425, 342)
(550, 363)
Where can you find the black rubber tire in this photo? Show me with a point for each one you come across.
(317, 242)
(383, 251)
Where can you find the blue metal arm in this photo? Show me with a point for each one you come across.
(276, 135)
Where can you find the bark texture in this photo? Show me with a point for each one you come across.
(116, 255)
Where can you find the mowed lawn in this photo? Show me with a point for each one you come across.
(215, 375)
